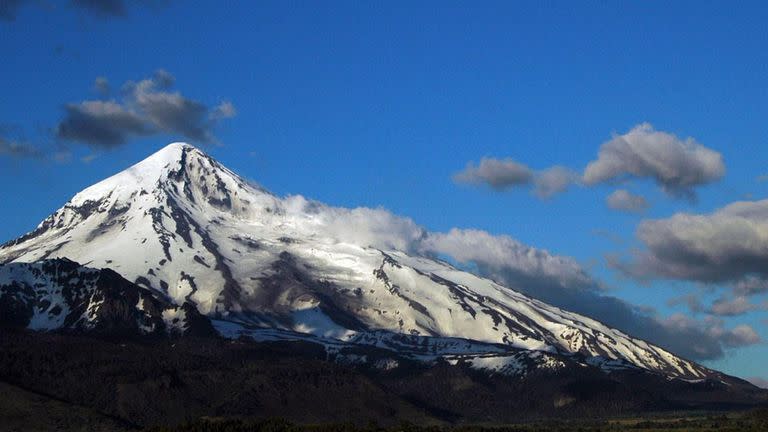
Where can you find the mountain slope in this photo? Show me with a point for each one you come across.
(188, 230)
(59, 294)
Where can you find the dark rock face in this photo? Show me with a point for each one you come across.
(62, 295)
(197, 324)
(118, 312)
(15, 308)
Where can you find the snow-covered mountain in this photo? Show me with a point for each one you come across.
(191, 232)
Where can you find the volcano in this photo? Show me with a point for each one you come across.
(178, 243)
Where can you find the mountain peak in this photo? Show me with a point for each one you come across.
(144, 175)
(174, 151)
(166, 159)
(171, 152)
(178, 144)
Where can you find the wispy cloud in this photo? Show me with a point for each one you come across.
(733, 306)
(101, 86)
(751, 285)
(626, 201)
(693, 301)
(499, 174)
(503, 174)
(16, 149)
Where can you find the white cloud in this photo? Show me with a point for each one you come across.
(147, 107)
(676, 165)
(500, 256)
(223, 110)
(553, 181)
(365, 226)
(729, 245)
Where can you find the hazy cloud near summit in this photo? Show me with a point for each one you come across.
(678, 166)
(146, 107)
(503, 256)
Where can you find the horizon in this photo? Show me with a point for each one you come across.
(637, 161)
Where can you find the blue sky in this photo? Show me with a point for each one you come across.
(383, 103)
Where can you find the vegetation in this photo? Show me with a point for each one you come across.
(144, 383)
(752, 421)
